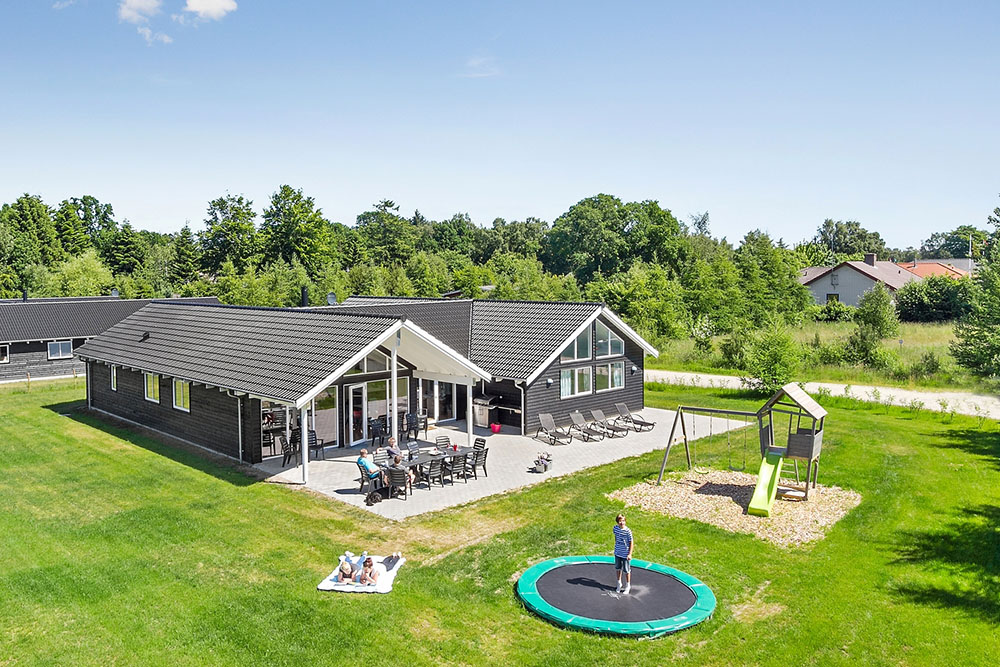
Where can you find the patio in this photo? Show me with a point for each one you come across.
(510, 464)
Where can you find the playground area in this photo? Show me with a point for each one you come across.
(720, 498)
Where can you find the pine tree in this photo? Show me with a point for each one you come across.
(70, 228)
(184, 267)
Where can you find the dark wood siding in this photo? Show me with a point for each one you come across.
(542, 398)
(211, 423)
(34, 358)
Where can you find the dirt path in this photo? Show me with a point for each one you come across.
(962, 402)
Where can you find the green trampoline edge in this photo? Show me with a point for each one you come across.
(701, 610)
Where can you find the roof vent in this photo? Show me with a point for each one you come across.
(145, 336)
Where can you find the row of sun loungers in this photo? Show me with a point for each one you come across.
(599, 428)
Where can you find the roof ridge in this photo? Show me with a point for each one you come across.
(285, 309)
(446, 300)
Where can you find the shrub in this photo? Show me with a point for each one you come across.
(772, 359)
(864, 347)
(934, 299)
(702, 332)
(877, 313)
(835, 311)
(929, 364)
(736, 347)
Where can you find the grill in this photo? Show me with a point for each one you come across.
(484, 411)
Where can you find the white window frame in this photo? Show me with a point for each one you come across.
(575, 345)
(114, 378)
(611, 376)
(58, 355)
(575, 383)
(5, 356)
(186, 385)
(612, 338)
(145, 387)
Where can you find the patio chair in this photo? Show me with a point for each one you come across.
(476, 460)
(376, 431)
(547, 427)
(612, 429)
(317, 446)
(287, 449)
(434, 470)
(457, 466)
(399, 480)
(586, 431)
(634, 420)
(413, 448)
(442, 442)
(479, 443)
(366, 478)
(381, 457)
(422, 420)
(412, 426)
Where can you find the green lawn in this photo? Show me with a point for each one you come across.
(918, 339)
(119, 549)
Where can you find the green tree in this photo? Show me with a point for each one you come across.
(70, 228)
(428, 274)
(589, 238)
(457, 233)
(848, 238)
(977, 335)
(769, 279)
(83, 275)
(230, 234)
(877, 312)
(954, 243)
(647, 297)
(387, 237)
(934, 299)
(125, 253)
(655, 235)
(97, 218)
(772, 358)
(29, 218)
(294, 229)
(184, 267)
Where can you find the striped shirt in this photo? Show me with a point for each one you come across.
(623, 540)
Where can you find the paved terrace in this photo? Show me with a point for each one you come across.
(510, 464)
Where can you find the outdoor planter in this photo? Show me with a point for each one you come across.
(495, 428)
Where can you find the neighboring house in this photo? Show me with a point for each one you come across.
(38, 336)
(239, 380)
(925, 269)
(848, 281)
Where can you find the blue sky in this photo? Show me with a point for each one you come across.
(768, 115)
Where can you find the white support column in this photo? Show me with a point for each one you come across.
(304, 442)
(394, 417)
(468, 413)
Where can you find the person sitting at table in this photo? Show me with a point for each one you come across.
(368, 464)
(368, 573)
(393, 448)
(346, 572)
(397, 464)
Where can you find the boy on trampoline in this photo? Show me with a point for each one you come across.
(623, 553)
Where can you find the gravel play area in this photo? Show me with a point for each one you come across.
(720, 498)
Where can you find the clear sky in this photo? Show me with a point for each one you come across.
(767, 115)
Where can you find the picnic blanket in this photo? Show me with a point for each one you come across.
(385, 577)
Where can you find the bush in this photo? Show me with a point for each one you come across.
(864, 347)
(934, 299)
(772, 359)
(831, 311)
(929, 364)
(877, 313)
(736, 347)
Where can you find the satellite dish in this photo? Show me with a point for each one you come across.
(331, 299)
(114, 293)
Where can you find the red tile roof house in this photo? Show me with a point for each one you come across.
(924, 269)
(848, 281)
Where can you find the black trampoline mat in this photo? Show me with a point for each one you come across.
(588, 589)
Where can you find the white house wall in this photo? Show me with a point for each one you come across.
(851, 285)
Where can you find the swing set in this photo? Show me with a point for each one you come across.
(689, 448)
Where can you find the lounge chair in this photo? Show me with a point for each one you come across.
(634, 421)
(547, 427)
(586, 431)
(612, 429)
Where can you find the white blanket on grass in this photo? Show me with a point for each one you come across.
(383, 585)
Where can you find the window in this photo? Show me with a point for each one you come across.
(4, 354)
(832, 297)
(152, 387)
(608, 342)
(182, 395)
(574, 382)
(374, 363)
(578, 349)
(61, 349)
(609, 376)
(114, 378)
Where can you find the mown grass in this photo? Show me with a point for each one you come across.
(120, 549)
(918, 339)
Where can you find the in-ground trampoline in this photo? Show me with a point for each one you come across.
(579, 592)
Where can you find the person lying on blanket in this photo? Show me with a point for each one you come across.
(346, 572)
(368, 573)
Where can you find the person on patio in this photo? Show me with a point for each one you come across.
(394, 449)
(368, 464)
(397, 464)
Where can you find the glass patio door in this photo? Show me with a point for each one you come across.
(357, 411)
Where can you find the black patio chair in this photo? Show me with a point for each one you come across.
(412, 427)
(612, 429)
(635, 421)
(400, 481)
(317, 446)
(479, 443)
(366, 478)
(442, 442)
(376, 431)
(423, 421)
(434, 470)
(547, 427)
(381, 457)
(413, 448)
(457, 466)
(475, 460)
(586, 431)
(287, 449)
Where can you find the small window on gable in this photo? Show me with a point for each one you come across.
(182, 395)
(114, 378)
(608, 343)
(376, 362)
(61, 349)
(579, 348)
(4, 354)
(152, 387)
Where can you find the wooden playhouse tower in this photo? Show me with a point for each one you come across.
(803, 436)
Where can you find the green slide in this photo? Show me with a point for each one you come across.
(767, 486)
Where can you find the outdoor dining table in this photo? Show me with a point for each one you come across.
(446, 454)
